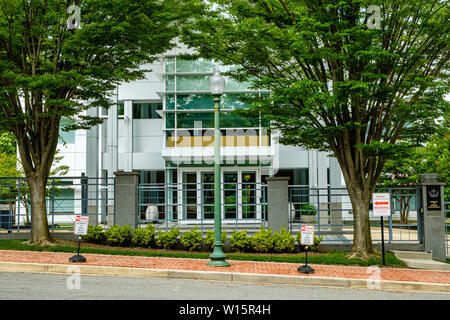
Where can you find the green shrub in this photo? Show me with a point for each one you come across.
(209, 239)
(192, 240)
(169, 239)
(95, 235)
(262, 241)
(144, 237)
(119, 236)
(313, 248)
(308, 210)
(240, 241)
(283, 241)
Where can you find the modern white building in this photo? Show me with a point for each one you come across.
(163, 127)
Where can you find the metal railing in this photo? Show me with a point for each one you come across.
(66, 197)
(184, 205)
(330, 211)
(447, 226)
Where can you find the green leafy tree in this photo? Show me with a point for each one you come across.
(337, 83)
(7, 143)
(409, 164)
(50, 71)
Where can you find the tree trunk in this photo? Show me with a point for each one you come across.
(39, 224)
(362, 239)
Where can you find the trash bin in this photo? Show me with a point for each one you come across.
(6, 219)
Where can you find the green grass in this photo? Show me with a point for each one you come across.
(331, 258)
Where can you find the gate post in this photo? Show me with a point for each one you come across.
(278, 203)
(433, 215)
(126, 198)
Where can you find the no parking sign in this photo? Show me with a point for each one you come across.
(81, 225)
(307, 235)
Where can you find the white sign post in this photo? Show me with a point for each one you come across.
(381, 208)
(307, 239)
(80, 229)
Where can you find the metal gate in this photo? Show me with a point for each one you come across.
(185, 205)
(66, 197)
(330, 211)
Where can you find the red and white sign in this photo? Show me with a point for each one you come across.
(307, 235)
(381, 204)
(81, 225)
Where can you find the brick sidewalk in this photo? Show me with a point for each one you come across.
(269, 268)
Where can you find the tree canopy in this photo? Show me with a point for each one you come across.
(52, 68)
(338, 81)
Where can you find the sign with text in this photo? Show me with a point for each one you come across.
(307, 235)
(381, 204)
(434, 198)
(81, 225)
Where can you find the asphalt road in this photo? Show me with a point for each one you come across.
(31, 286)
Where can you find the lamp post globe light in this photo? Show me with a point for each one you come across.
(217, 86)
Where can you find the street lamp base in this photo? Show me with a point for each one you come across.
(77, 258)
(305, 269)
(218, 263)
(218, 258)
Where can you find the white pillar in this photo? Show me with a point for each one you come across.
(112, 140)
(128, 135)
(92, 167)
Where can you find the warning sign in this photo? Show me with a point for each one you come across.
(307, 235)
(81, 225)
(381, 204)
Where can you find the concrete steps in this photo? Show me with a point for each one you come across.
(420, 260)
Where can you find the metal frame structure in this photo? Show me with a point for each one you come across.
(92, 197)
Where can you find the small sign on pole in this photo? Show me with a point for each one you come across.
(381, 208)
(80, 229)
(381, 204)
(81, 225)
(307, 239)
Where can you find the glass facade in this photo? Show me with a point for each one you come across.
(188, 104)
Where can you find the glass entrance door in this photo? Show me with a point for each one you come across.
(190, 195)
(208, 195)
(230, 194)
(249, 189)
(239, 193)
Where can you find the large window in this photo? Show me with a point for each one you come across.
(189, 105)
(146, 110)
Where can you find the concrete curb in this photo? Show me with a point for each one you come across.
(68, 269)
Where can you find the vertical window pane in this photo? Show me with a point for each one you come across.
(170, 102)
(170, 120)
(170, 83)
(230, 194)
(170, 64)
(248, 195)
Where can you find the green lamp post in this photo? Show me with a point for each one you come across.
(217, 86)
